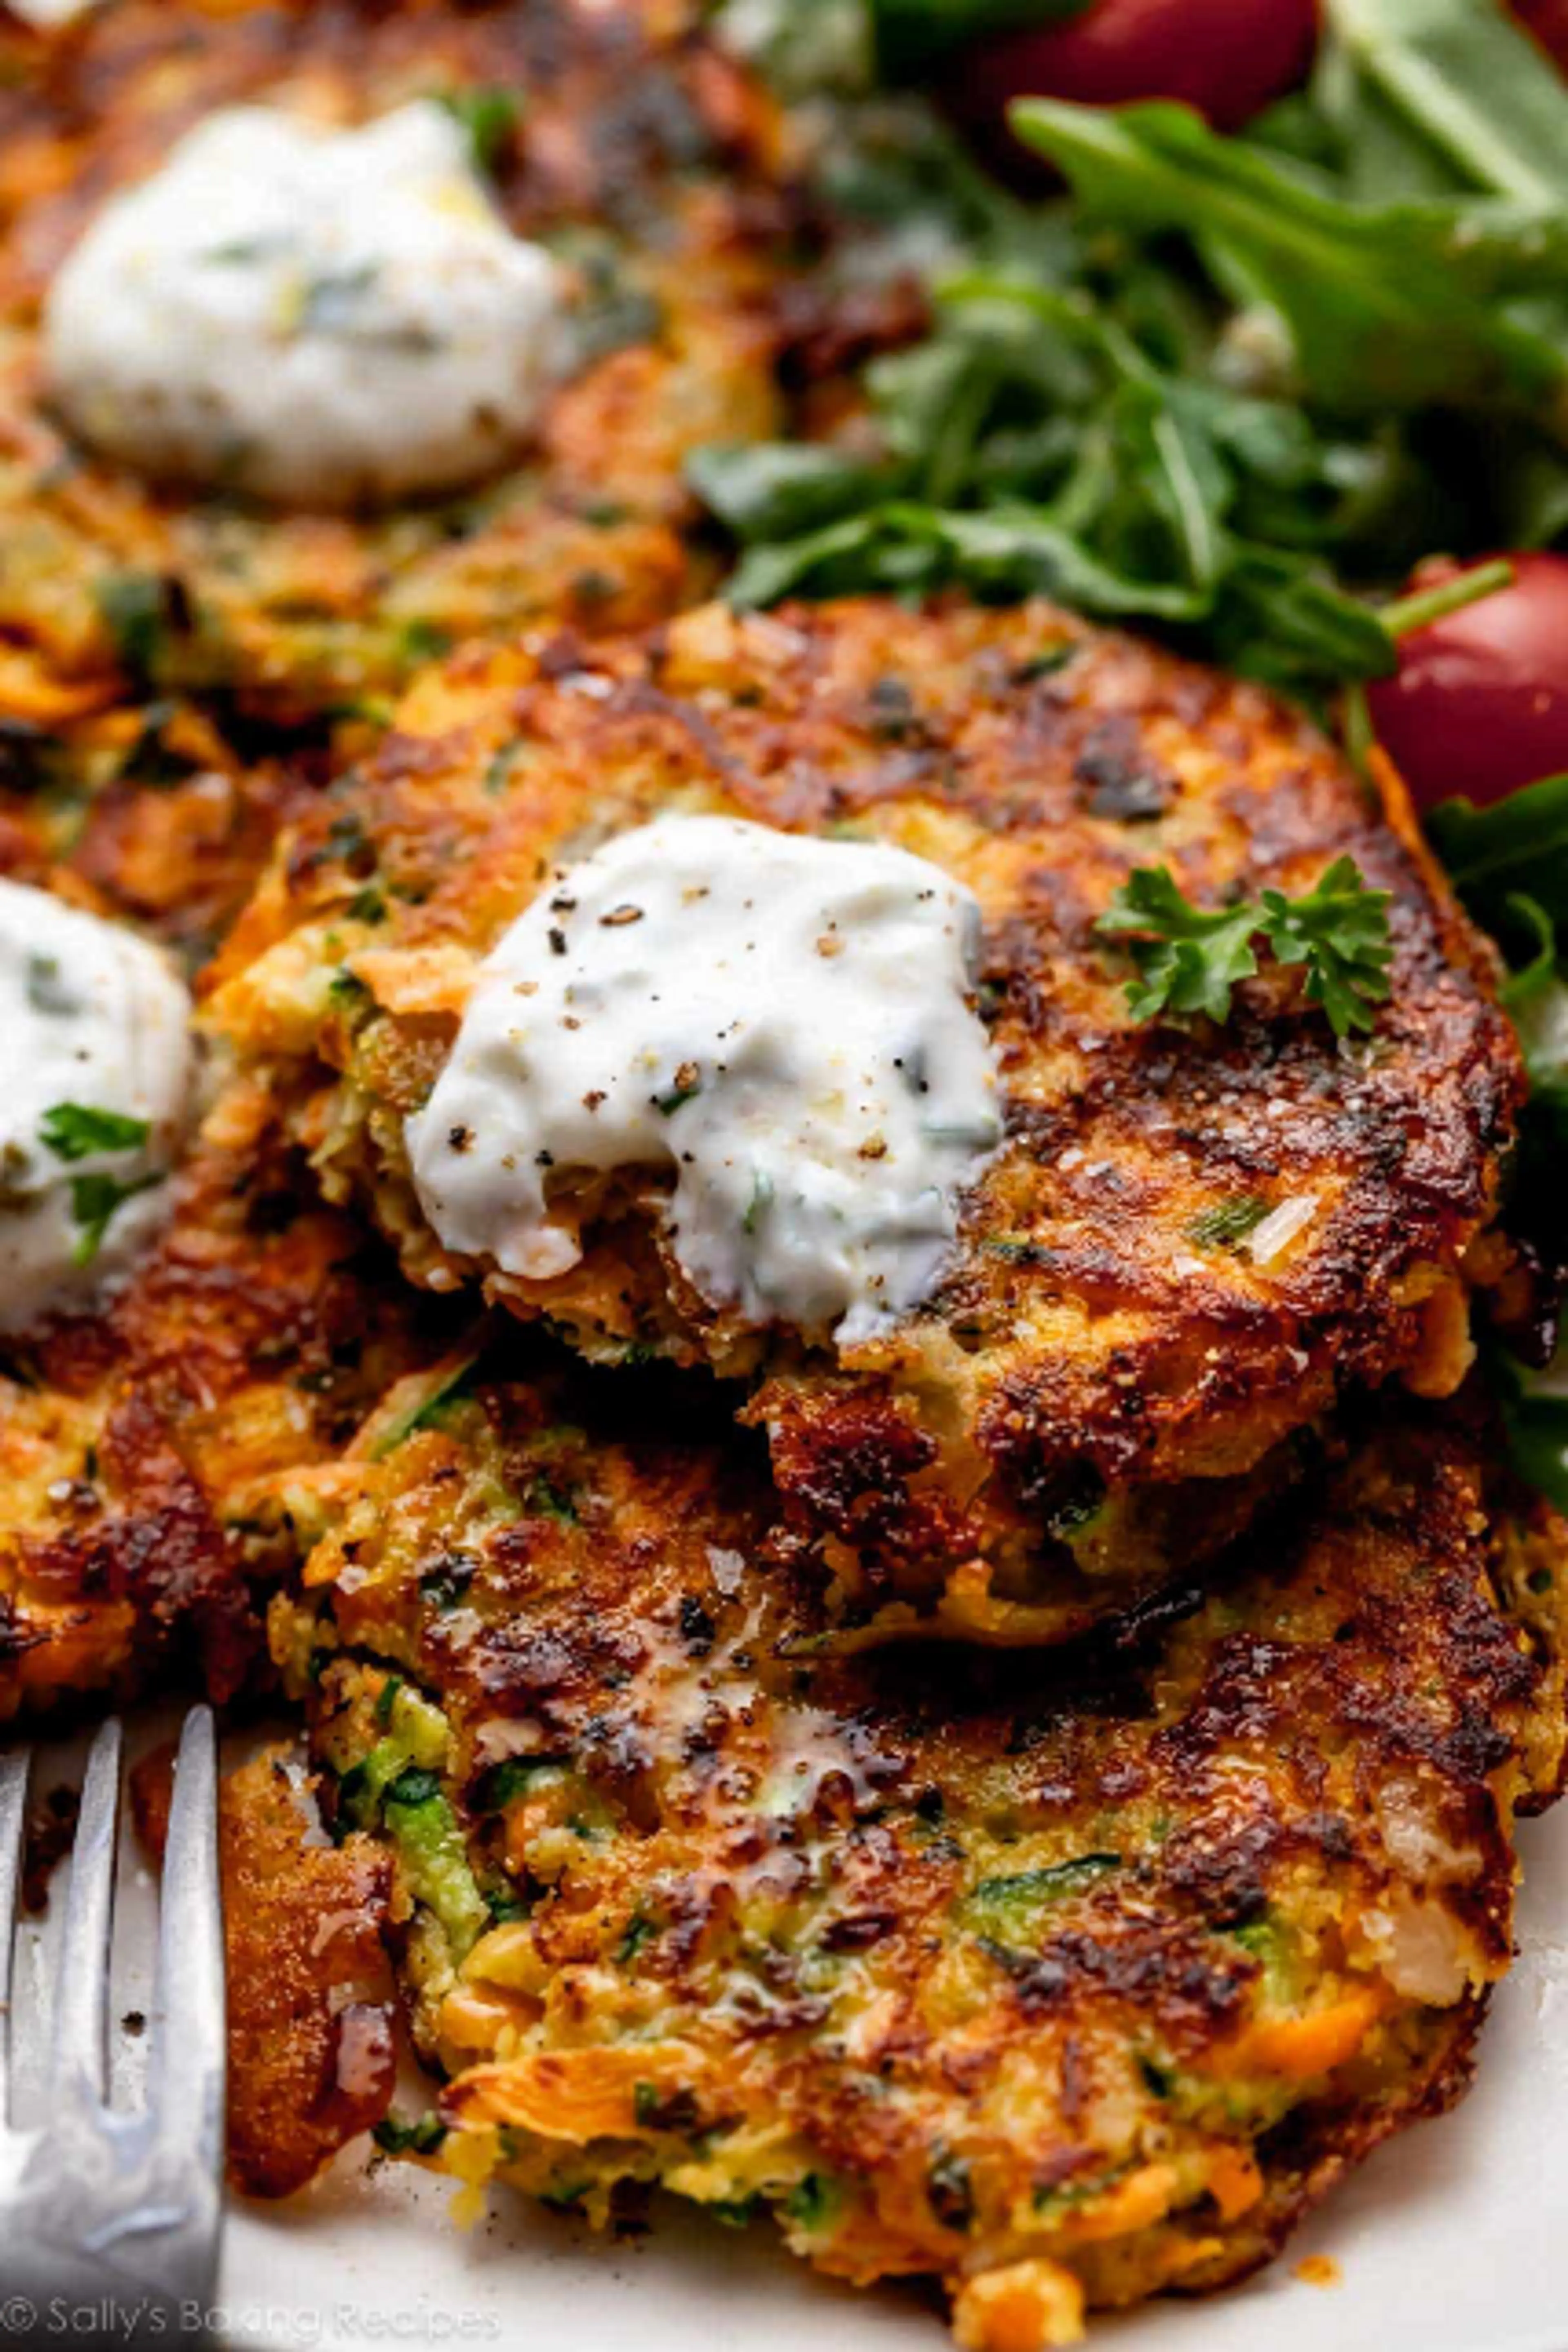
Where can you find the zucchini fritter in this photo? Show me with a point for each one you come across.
(1067, 1985)
(157, 1459)
(1193, 1239)
(617, 134)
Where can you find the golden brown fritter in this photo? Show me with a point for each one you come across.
(1065, 1981)
(641, 154)
(157, 1459)
(1114, 1369)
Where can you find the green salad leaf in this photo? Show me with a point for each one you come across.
(1230, 389)
(1515, 851)
(1390, 306)
(1466, 83)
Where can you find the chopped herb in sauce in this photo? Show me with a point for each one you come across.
(94, 1199)
(75, 1131)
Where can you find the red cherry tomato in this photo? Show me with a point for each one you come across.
(1226, 57)
(1479, 706)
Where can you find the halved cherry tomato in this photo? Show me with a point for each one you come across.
(1479, 706)
(1226, 57)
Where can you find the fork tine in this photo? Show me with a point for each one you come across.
(80, 2047)
(185, 2089)
(12, 1820)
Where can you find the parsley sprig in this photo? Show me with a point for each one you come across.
(1189, 959)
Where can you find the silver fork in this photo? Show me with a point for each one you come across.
(117, 2215)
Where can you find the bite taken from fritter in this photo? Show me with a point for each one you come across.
(332, 334)
(1065, 1981)
(1035, 1297)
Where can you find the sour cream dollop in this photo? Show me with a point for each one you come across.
(47, 14)
(787, 1023)
(97, 1082)
(314, 317)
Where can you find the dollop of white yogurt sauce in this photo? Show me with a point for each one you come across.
(49, 12)
(99, 1069)
(315, 317)
(788, 1024)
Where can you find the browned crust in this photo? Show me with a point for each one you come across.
(310, 1999)
(151, 1455)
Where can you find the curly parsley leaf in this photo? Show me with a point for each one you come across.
(1340, 931)
(1189, 959)
(74, 1130)
(94, 1199)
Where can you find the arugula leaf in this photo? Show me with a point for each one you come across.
(1090, 417)
(1032, 446)
(1020, 551)
(1536, 996)
(1375, 152)
(1399, 305)
(1468, 82)
(1189, 959)
(837, 559)
(94, 1199)
(779, 490)
(1277, 620)
(74, 1130)
(1518, 848)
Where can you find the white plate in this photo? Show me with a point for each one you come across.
(1453, 2239)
